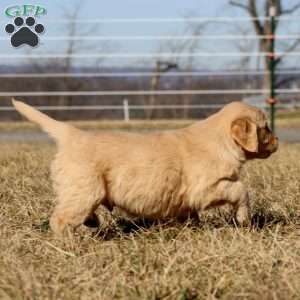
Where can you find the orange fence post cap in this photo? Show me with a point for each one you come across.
(271, 101)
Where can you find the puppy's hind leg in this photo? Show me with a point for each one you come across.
(78, 198)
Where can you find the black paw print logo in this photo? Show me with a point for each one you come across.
(22, 34)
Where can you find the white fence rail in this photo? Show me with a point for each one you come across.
(153, 55)
(146, 74)
(172, 20)
(165, 37)
(147, 92)
(127, 108)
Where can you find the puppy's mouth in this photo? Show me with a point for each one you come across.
(265, 149)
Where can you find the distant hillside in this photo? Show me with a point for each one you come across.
(110, 83)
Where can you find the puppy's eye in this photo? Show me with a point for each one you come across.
(268, 129)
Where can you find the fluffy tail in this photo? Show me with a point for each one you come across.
(54, 128)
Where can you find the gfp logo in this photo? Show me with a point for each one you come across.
(25, 30)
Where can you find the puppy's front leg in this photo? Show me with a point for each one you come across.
(242, 210)
(239, 198)
(235, 193)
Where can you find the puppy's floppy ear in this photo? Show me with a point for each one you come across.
(244, 132)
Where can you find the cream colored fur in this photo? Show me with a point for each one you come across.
(156, 175)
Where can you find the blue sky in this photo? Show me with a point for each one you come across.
(98, 9)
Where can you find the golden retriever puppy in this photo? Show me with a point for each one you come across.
(155, 175)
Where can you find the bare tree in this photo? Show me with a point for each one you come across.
(73, 31)
(187, 63)
(75, 45)
(160, 68)
(244, 45)
(263, 27)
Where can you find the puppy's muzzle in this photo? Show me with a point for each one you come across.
(266, 150)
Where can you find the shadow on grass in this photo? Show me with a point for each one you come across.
(121, 227)
(124, 227)
(262, 219)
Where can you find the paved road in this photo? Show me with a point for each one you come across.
(285, 135)
(289, 135)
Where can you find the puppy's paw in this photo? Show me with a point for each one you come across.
(243, 218)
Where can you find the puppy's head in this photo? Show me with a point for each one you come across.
(251, 132)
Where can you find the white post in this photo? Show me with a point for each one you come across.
(126, 110)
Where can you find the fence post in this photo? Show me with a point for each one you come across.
(126, 110)
(272, 96)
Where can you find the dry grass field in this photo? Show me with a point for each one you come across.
(206, 259)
